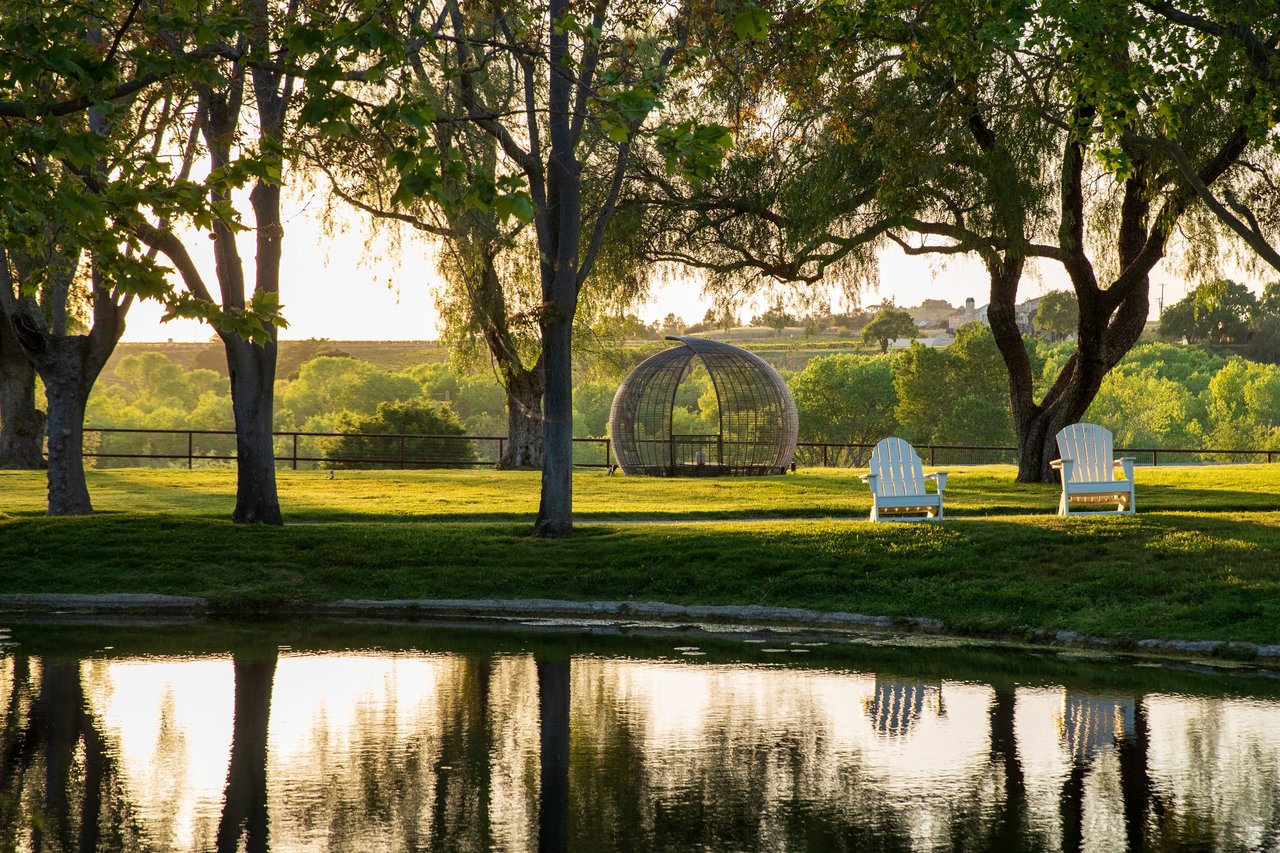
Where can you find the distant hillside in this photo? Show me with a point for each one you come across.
(387, 355)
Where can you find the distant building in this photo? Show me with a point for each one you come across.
(1025, 313)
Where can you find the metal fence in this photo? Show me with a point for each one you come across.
(192, 448)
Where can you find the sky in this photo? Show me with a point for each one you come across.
(351, 286)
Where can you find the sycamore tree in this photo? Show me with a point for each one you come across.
(589, 79)
(89, 123)
(289, 62)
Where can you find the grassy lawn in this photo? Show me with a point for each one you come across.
(1200, 561)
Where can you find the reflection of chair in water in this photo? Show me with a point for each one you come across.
(897, 705)
(1090, 724)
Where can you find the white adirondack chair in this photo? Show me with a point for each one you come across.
(1088, 472)
(897, 482)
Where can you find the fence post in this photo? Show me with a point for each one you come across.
(933, 455)
(502, 442)
(191, 441)
(295, 451)
(402, 453)
(824, 457)
(1155, 458)
(608, 462)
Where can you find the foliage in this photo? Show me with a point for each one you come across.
(957, 395)
(1058, 314)
(775, 317)
(1220, 311)
(409, 417)
(329, 384)
(887, 325)
(846, 398)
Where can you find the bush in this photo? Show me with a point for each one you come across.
(409, 418)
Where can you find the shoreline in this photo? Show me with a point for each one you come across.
(620, 615)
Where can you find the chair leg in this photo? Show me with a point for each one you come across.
(875, 511)
(1063, 508)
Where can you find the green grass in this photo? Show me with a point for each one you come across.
(1198, 562)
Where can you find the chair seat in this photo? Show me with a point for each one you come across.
(1114, 487)
(903, 502)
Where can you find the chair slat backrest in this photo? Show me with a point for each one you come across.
(897, 468)
(1090, 446)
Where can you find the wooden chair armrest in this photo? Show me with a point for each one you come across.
(939, 477)
(1120, 460)
(866, 478)
(1057, 463)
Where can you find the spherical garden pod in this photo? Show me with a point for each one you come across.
(757, 418)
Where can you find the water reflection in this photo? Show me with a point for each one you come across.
(267, 748)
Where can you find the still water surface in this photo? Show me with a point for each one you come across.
(413, 737)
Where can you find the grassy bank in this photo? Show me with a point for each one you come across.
(1198, 562)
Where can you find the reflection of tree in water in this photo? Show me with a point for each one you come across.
(402, 778)
(1220, 793)
(244, 808)
(737, 784)
(78, 801)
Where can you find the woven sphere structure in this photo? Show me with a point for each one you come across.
(758, 421)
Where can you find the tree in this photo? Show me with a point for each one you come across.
(21, 423)
(846, 399)
(1009, 131)
(776, 317)
(954, 395)
(1247, 205)
(247, 112)
(589, 87)
(887, 325)
(1058, 314)
(1219, 311)
(672, 325)
(86, 128)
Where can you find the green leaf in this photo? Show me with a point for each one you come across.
(752, 24)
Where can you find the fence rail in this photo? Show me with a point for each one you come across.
(406, 450)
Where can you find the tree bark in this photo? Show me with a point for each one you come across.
(21, 423)
(524, 447)
(252, 368)
(555, 508)
(69, 365)
(68, 393)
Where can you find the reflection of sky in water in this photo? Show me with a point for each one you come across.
(390, 751)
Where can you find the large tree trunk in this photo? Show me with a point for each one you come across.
(69, 365)
(524, 447)
(21, 423)
(253, 372)
(560, 293)
(555, 509)
(68, 394)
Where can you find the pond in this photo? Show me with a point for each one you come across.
(377, 736)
